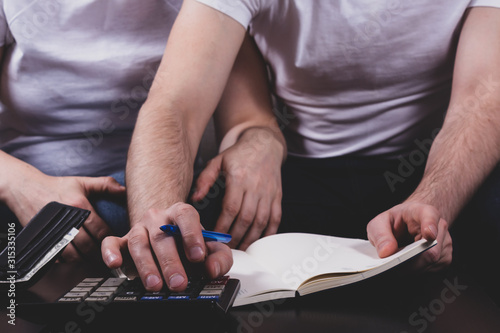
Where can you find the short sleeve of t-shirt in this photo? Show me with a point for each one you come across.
(242, 11)
(485, 3)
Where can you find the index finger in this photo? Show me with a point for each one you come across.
(422, 220)
(231, 206)
(165, 246)
(188, 220)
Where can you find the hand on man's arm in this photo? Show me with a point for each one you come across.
(197, 62)
(463, 154)
(252, 151)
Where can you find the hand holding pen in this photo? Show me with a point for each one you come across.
(157, 256)
(208, 236)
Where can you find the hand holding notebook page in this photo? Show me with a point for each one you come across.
(281, 265)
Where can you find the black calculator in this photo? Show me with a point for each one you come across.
(217, 294)
(120, 295)
(96, 304)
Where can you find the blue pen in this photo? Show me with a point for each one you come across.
(209, 236)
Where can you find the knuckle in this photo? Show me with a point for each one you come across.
(430, 210)
(238, 174)
(261, 223)
(433, 256)
(167, 264)
(156, 237)
(279, 194)
(151, 213)
(107, 181)
(80, 202)
(246, 220)
(276, 218)
(182, 209)
(231, 209)
(445, 224)
(102, 234)
(135, 238)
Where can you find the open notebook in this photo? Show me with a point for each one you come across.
(284, 265)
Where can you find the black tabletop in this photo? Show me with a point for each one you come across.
(395, 301)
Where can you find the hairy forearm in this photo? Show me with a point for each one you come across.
(159, 169)
(468, 146)
(462, 156)
(183, 97)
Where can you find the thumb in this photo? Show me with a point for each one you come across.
(207, 178)
(381, 236)
(111, 251)
(102, 185)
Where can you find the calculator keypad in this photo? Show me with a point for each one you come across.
(123, 290)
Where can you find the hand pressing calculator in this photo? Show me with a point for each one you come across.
(113, 297)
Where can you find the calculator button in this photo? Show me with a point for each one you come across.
(210, 292)
(82, 289)
(220, 281)
(88, 284)
(92, 280)
(101, 294)
(152, 298)
(96, 299)
(73, 294)
(107, 289)
(125, 299)
(213, 297)
(180, 297)
(129, 293)
(113, 282)
(215, 286)
(70, 299)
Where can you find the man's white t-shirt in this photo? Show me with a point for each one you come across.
(358, 77)
(74, 76)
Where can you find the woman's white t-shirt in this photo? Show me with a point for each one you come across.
(74, 76)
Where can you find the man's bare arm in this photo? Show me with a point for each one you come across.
(201, 50)
(468, 146)
(464, 152)
(184, 95)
